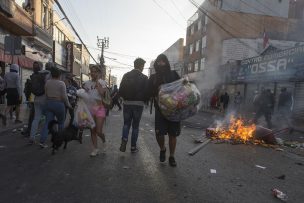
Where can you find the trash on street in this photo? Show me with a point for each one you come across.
(262, 167)
(196, 149)
(279, 194)
(212, 171)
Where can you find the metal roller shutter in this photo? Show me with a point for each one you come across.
(298, 107)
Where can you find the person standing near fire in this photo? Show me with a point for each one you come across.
(264, 106)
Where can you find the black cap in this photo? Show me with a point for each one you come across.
(138, 62)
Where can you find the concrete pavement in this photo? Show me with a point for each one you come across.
(29, 174)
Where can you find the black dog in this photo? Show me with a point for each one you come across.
(67, 134)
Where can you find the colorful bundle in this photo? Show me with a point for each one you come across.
(179, 100)
(83, 117)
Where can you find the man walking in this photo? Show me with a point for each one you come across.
(132, 90)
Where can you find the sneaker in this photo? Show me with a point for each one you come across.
(134, 149)
(162, 156)
(172, 161)
(43, 146)
(94, 152)
(123, 145)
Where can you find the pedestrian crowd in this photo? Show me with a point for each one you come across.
(52, 94)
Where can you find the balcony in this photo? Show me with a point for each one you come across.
(42, 38)
(15, 19)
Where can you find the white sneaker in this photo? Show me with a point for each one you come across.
(94, 152)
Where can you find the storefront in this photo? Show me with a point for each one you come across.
(272, 71)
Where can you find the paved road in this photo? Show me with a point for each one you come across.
(29, 174)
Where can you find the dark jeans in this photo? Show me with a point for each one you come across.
(267, 115)
(132, 115)
(31, 117)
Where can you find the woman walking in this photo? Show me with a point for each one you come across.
(56, 103)
(13, 93)
(96, 88)
(163, 126)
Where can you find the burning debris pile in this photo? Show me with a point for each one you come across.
(238, 131)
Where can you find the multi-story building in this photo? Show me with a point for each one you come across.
(30, 21)
(246, 40)
(175, 54)
(241, 25)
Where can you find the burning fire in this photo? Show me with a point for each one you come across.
(237, 130)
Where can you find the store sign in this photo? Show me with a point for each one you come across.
(281, 65)
(69, 55)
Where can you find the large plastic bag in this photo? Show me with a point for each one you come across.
(83, 117)
(179, 100)
(87, 98)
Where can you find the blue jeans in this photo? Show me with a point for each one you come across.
(39, 107)
(53, 109)
(132, 115)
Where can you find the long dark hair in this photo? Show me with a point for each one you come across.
(162, 69)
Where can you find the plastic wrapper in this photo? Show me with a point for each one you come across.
(179, 100)
(86, 97)
(83, 117)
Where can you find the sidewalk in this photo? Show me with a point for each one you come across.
(24, 113)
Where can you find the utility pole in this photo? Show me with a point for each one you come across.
(103, 44)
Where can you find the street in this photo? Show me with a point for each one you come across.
(31, 174)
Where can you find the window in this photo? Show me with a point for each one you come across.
(44, 17)
(189, 68)
(196, 66)
(192, 29)
(206, 20)
(197, 46)
(202, 64)
(204, 44)
(191, 49)
(199, 26)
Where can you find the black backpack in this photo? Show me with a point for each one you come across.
(27, 89)
(38, 83)
(128, 87)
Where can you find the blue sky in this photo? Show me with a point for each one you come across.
(135, 27)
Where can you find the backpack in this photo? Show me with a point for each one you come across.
(107, 100)
(38, 83)
(2, 86)
(27, 89)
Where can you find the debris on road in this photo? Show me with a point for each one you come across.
(279, 194)
(126, 167)
(15, 130)
(279, 149)
(262, 167)
(279, 141)
(299, 163)
(196, 149)
(282, 177)
(87, 135)
(212, 171)
(2, 147)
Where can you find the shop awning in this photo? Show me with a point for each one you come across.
(22, 61)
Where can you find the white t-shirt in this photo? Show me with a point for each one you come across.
(91, 87)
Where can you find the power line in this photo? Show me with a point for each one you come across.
(63, 12)
(180, 12)
(168, 14)
(202, 9)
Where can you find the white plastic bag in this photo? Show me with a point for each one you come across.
(83, 117)
(179, 100)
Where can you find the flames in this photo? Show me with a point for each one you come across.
(237, 130)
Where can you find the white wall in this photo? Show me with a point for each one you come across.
(278, 8)
(234, 50)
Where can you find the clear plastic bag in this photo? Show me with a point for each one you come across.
(83, 117)
(179, 100)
